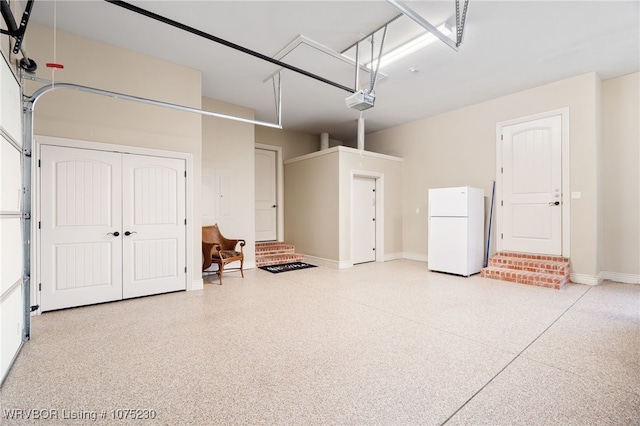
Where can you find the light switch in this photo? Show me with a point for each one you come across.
(576, 195)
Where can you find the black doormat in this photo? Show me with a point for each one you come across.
(293, 266)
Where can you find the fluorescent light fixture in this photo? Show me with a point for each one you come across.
(409, 47)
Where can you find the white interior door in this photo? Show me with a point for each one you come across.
(363, 225)
(153, 238)
(532, 187)
(112, 226)
(81, 226)
(266, 184)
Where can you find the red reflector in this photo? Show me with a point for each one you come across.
(54, 65)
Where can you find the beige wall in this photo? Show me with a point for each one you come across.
(318, 202)
(621, 175)
(228, 174)
(311, 211)
(83, 116)
(294, 144)
(459, 148)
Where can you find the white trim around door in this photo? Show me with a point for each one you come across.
(565, 165)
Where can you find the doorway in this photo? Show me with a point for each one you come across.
(364, 219)
(266, 195)
(112, 226)
(269, 193)
(532, 185)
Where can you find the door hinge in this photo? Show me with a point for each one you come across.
(501, 137)
(502, 236)
(185, 269)
(34, 308)
(185, 221)
(38, 163)
(501, 203)
(39, 225)
(39, 286)
(185, 173)
(501, 170)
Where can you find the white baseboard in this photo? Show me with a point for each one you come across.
(197, 284)
(619, 277)
(584, 279)
(393, 256)
(415, 256)
(329, 263)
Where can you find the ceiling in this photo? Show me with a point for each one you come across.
(508, 46)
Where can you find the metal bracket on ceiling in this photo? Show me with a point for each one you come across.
(224, 42)
(301, 40)
(460, 22)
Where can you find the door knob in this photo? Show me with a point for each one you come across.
(554, 203)
(115, 234)
(273, 206)
(127, 233)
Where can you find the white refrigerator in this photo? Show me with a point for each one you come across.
(456, 230)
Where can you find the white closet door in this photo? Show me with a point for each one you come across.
(364, 216)
(153, 225)
(81, 225)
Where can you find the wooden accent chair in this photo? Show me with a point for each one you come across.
(220, 250)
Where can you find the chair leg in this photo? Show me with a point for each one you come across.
(241, 265)
(220, 270)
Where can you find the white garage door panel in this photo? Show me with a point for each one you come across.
(11, 177)
(11, 103)
(12, 328)
(10, 252)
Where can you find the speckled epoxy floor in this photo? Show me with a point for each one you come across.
(381, 343)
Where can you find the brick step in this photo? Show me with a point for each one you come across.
(532, 269)
(525, 277)
(278, 259)
(554, 267)
(268, 243)
(532, 256)
(273, 249)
